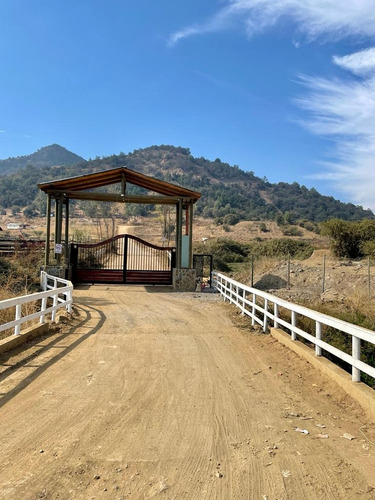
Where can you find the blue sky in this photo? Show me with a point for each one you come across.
(285, 88)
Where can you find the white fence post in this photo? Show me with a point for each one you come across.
(356, 353)
(253, 310)
(55, 302)
(318, 335)
(17, 328)
(275, 315)
(294, 323)
(43, 308)
(69, 297)
(265, 315)
(243, 302)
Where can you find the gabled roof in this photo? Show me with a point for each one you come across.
(114, 176)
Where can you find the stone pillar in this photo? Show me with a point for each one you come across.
(184, 280)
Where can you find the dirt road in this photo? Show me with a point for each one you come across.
(150, 394)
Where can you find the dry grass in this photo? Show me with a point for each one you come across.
(19, 276)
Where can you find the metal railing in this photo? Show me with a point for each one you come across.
(58, 290)
(263, 307)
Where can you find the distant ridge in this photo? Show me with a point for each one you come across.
(229, 194)
(47, 156)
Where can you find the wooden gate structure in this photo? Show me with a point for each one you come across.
(122, 259)
(87, 187)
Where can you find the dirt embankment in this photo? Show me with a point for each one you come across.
(151, 394)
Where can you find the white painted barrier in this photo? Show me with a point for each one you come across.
(258, 306)
(57, 289)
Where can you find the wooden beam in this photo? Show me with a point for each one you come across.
(48, 230)
(123, 183)
(118, 198)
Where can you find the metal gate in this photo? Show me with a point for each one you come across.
(122, 259)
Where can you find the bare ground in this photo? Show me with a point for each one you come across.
(150, 394)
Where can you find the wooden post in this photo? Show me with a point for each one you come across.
(179, 233)
(58, 226)
(191, 214)
(123, 184)
(288, 272)
(324, 274)
(48, 230)
(66, 232)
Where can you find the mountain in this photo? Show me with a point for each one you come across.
(229, 194)
(44, 157)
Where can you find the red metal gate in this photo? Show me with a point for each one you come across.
(122, 259)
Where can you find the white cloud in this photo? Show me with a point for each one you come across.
(360, 63)
(344, 110)
(314, 18)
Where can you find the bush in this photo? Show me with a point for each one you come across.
(224, 250)
(292, 231)
(281, 248)
(231, 219)
(348, 239)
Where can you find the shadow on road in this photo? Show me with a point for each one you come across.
(42, 349)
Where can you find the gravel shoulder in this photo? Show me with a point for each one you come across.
(149, 394)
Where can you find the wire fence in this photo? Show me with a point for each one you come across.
(320, 277)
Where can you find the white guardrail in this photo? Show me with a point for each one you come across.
(60, 292)
(257, 305)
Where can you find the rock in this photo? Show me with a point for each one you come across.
(219, 474)
(96, 476)
(302, 431)
(348, 436)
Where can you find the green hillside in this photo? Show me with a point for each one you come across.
(228, 192)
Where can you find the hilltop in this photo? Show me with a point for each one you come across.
(43, 157)
(229, 194)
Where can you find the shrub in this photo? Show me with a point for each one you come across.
(231, 219)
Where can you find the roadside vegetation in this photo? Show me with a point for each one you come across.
(19, 275)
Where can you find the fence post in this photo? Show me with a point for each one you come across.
(243, 302)
(294, 323)
(324, 274)
(288, 272)
(55, 302)
(265, 317)
(275, 315)
(318, 335)
(253, 310)
(69, 297)
(43, 308)
(17, 328)
(356, 353)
